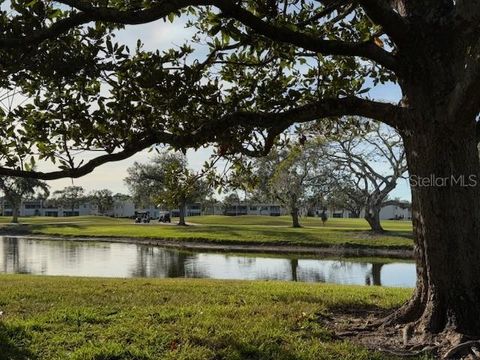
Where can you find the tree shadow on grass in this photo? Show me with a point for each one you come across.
(13, 343)
(271, 349)
(386, 233)
(58, 225)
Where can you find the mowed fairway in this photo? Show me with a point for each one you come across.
(230, 230)
(55, 318)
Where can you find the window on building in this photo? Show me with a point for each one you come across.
(32, 206)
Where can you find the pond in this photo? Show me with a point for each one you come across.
(100, 259)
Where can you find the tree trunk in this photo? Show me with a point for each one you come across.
(15, 213)
(295, 219)
(444, 168)
(372, 215)
(182, 211)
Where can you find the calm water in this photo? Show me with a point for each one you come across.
(42, 257)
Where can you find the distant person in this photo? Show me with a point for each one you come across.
(324, 217)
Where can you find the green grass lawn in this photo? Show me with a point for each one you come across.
(49, 318)
(234, 230)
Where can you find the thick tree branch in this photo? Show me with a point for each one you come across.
(56, 29)
(210, 131)
(157, 11)
(382, 13)
(331, 107)
(88, 167)
(88, 13)
(367, 49)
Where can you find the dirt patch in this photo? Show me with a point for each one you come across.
(365, 327)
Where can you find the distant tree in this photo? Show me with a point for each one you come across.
(293, 175)
(229, 201)
(370, 162)
(348, 197)
(209, 203)
(168, 181)
(121, 197)
(17, 189)
(103, 199)
(318, 200)
(69, 197)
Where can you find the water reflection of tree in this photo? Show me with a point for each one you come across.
(374, 276)
(164, 263)
(11, 257)
(342, 271)
(245, 261)
(294, 268)
(305, 274)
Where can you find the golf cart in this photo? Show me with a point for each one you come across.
(165, 217)
(142, 217)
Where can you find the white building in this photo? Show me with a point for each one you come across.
(123, 208)
(190, 210)
(246, 208)
(40, 207)
(399, 211)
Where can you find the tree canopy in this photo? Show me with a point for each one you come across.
(293, 176)
(103, 200)
(69, 197)
(368, 163)
(167, 181)
(16, 189)
(101, 95)
(270, 64)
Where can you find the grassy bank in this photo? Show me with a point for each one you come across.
(239, 230)
(76, 318)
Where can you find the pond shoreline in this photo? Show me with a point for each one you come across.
(203, 245)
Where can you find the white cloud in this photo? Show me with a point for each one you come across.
(156, 35)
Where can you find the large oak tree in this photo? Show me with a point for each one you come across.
(280, 62)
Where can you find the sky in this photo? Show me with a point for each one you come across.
(163, 35)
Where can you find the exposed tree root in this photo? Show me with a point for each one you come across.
(471, 348)
(369, 328)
